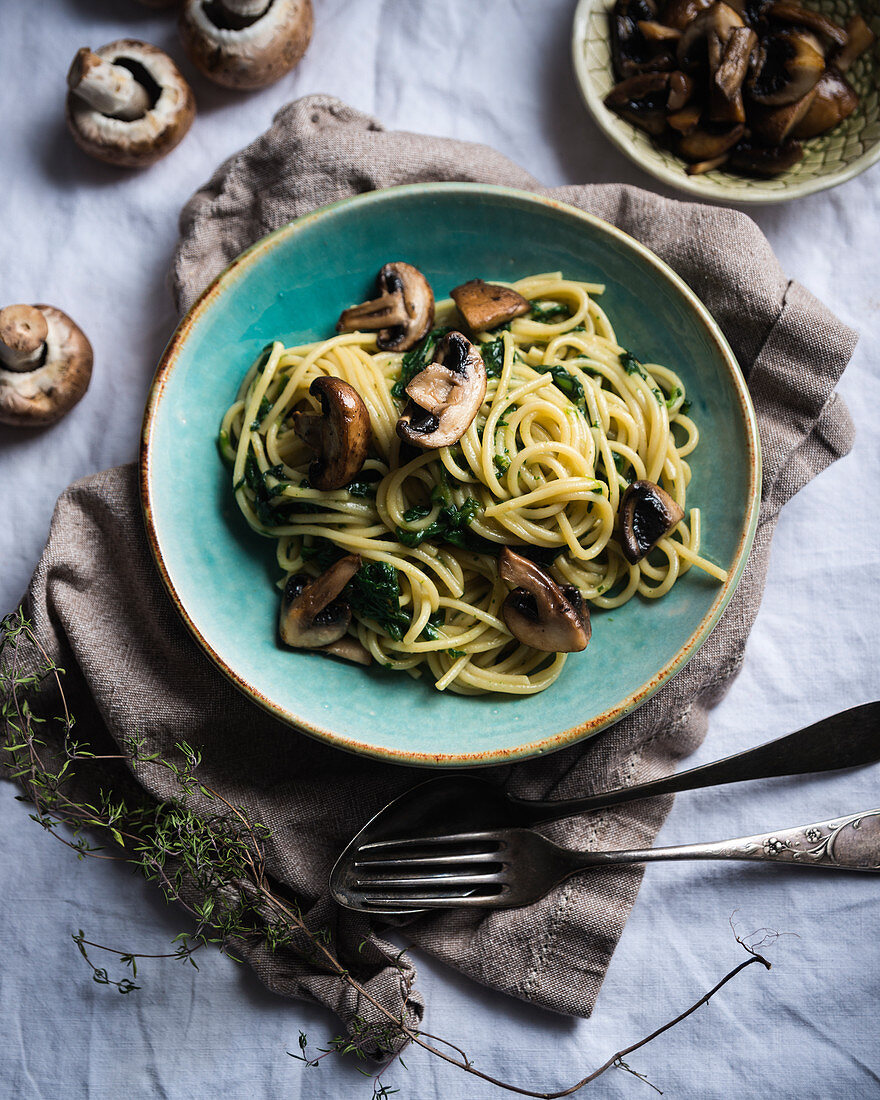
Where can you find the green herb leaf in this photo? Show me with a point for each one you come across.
(630, 364)
(492, 353)
(549, 313)
(564, 380)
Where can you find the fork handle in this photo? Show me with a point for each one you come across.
(846, 843)
(846, 740)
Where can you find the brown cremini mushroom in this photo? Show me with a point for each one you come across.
(486, 305)
(704, 144)
(773, 125)
(647, 513)
(633, 52)
(815, 21)
(246, 43)
(445, 396)
(725, 99)
(312, 615)
(859, 37)
(538, 612)
(127, 103)
(641, 99)
(765, 161)
(401, 315)
(45, 365)
(340, 433)
(788, 64)
(831, 101)
(706, 36)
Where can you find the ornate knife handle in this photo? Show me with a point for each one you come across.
(846, 843)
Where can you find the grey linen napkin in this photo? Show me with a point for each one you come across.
(101, 612)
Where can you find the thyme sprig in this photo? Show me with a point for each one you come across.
(212, 864)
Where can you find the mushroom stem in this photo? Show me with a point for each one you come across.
(23, 332)
(108, 88)
(236, 15)
(385, 312)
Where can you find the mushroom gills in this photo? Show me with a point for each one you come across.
(538, 612)
(647, 513)
(487, 305)
(401, 315)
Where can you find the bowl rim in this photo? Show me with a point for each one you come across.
(228, 279)
(702, 187)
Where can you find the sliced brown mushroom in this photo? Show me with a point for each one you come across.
(764, 161)
(703, 143)
(704, 39)
(773, 125)
(681, 89)
(45, 365)
(128, 103)
(700, 167)
(403, 312)
(538, 612)
(725, 100)
(685, 120)
(832, 100)
(679, 13)
(445, 397)
(641, 100)
(311, 615)
(631, 51)
(658, 32)
(349, 649)
(815, 21)
(246, 43)
(647, 513)
(340, 433)
(486, 305)
(859, 38)
(788, 64)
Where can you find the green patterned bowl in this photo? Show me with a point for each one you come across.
(290, 286)
(829, 159)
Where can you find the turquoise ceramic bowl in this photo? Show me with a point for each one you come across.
(291, 286)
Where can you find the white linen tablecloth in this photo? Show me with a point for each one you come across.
(97, 243)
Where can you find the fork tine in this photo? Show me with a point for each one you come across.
(440, 881)
(454, 839)
(429, 861)
(403, 901)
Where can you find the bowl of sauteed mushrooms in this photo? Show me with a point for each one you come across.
(743, 101)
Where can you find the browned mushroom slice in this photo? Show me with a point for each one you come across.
(246, 43)
(685, 120)
(783, 12)
(773, 125)
(403, 312)
(641, 100)
(681, 89)
(706, 144)
(538, 612)
(647, 513)
(658, 32)
(833, 99)
(758, 160)
(702, 166)
(725, 100)
(679, 13)
(45, 365)
(128, 103)
(311, 614)
(859, 38)
(631, 51)
(340, 433)
(788, 64)
(445, 396)
(485, 305)
(705, 38)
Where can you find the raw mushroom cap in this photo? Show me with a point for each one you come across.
(142, 141)
(249, 56)
(37, 397)
(538, 612)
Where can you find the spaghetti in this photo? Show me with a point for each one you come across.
(569, 420)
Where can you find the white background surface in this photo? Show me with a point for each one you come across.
(97, 243)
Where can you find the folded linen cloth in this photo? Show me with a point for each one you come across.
(101, 612)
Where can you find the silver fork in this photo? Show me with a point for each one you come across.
(504, 868)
